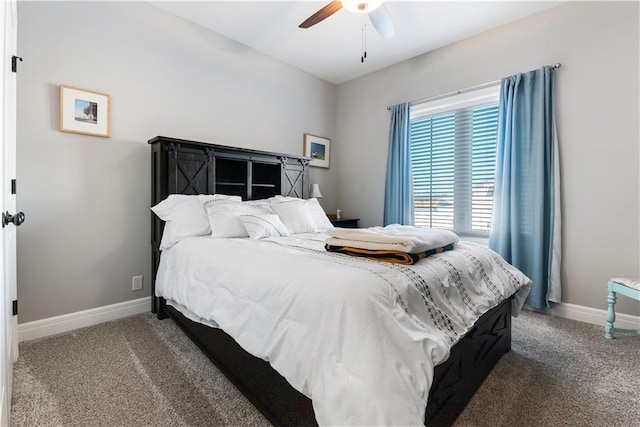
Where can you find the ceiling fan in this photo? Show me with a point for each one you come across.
(377, 14)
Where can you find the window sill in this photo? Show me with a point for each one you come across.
(484, 241)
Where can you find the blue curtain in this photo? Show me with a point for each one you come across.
(524, 207)
(398, 195)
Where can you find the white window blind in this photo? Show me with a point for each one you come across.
(453, 147)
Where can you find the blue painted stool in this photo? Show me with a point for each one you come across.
(628, 287)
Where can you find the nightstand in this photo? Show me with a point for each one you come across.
(345, 222)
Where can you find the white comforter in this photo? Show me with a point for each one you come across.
(359, 337)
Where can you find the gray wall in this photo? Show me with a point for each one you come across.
(87, 199)
(597, 120)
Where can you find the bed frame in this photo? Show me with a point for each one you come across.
(190, 167)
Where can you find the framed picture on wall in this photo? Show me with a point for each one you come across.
(84, 111)
(319, 149)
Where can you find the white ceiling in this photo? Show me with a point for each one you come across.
(331, 50)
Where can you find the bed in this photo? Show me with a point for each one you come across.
(194, 168)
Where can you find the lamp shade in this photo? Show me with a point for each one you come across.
(315, 191)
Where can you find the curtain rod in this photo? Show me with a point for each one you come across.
(460, 91)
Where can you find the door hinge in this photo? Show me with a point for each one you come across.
(14, 63)
(15, 307)
(13, 186)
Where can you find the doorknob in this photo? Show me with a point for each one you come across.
(16, 219)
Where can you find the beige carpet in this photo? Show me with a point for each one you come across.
(141, 371)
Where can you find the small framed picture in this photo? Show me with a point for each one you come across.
(319, 149)
(84, 111)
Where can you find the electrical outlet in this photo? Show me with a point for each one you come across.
(136, 283)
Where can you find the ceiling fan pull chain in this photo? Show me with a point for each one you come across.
(364, 41)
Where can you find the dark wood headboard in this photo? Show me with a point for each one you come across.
(180, 166)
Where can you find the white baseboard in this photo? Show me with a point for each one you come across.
(80, 319)
(594, 316)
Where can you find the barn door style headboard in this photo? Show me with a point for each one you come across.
(180, 166)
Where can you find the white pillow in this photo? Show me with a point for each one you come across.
(259, 202)
(318, 216)
(224, 217)
(280, 199)
(295, 216)
(260, 226)
(184, 216)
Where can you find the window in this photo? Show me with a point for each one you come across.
(453, 148)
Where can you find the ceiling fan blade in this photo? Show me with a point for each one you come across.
(381, 21)
(322, 14)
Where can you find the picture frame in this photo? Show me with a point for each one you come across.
(84, 111)
(319, 149)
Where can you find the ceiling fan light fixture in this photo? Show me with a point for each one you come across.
(361, 6)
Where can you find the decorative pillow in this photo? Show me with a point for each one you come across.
(318, 216)
(184, 216)
(206, 197)
(260, 226)
(224, 216)
(295, 216)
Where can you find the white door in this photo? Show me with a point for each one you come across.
(8, 322)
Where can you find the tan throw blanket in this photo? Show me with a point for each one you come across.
(394, 257)
(395, 237)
